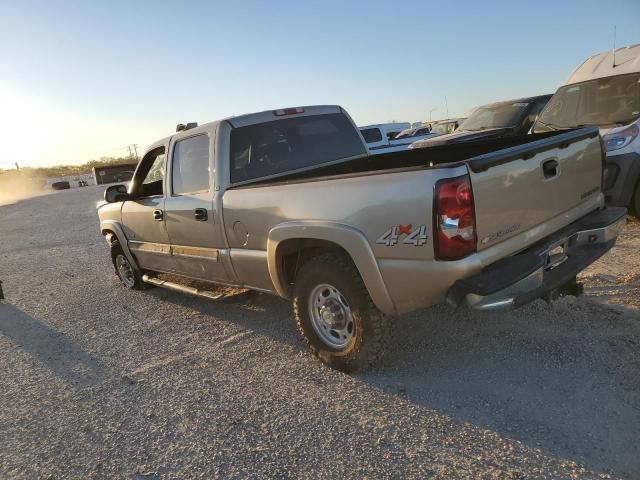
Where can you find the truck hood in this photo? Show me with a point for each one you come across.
(463, 136)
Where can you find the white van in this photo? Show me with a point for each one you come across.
(605, 91)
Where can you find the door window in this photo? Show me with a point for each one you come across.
(190, 165)
(371, 135)
(152, 172)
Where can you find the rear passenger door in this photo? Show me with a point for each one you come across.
(197, 242)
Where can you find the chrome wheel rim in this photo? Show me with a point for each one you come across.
(331, 316)
(125, 272)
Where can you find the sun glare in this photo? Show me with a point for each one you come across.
(27, 131)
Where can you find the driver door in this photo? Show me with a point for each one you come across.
(143, 216)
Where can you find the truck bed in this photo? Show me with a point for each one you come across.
(479, 155)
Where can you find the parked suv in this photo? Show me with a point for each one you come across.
(500, 119)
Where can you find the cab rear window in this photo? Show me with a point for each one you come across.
(290, 144)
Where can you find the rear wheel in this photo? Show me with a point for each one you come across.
(125, 271)
(335, 315)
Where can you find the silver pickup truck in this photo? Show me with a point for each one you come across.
(288, 202)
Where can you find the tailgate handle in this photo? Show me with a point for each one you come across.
(550, 168)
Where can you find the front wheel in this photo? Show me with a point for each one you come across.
(335, 315)
(125, 271)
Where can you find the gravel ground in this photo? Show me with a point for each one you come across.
(101, 382)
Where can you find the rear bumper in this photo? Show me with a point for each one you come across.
(542, 268)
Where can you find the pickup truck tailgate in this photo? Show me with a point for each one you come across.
(519, 188)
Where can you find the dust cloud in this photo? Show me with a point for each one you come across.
(16, 187)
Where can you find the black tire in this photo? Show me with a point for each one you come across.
(636, 201)
(372, 330)
(134, 281)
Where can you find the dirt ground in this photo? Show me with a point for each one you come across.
(101, 382)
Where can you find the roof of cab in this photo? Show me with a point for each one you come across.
(515, 100)
(601, 65)
(389, 126)
(252, 118)
(269, 115)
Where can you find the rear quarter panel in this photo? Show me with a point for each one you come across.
(371, 204)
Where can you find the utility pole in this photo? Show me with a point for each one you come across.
(614, 45)
(17, 166)
(135, 149)
(130, 154)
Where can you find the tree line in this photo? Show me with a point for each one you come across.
(68, 170)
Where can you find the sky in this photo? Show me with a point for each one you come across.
(82, 80)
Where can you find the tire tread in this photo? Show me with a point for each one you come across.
(379, 329)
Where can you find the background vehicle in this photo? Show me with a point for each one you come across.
(605, 91)
(296, 207)
(383, 137)
(446, 126)
(500, 119)
(123, 176)
(418, 131)
(60, 185)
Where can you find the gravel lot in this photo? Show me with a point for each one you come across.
(101, 382)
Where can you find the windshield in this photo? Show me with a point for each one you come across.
(604, 101)
(409, 132)
(444, 128)
(496, 116)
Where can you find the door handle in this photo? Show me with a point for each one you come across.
(550, 168)
(158, 215)
(200, 214)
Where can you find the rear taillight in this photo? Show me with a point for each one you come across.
(455, 219)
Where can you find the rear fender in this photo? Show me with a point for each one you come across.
(345, 237)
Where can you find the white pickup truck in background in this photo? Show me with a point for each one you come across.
(386, 137)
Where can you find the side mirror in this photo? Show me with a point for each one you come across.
(115, 193)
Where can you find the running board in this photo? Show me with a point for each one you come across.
(181, 288)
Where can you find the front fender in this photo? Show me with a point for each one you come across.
(116, 228)
(344, 236)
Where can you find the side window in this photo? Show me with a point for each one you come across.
(371, 135)
(152, 172)
(190, 165)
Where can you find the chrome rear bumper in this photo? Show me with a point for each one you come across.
(544, 267)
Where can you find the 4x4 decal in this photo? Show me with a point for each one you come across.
(414, 236)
